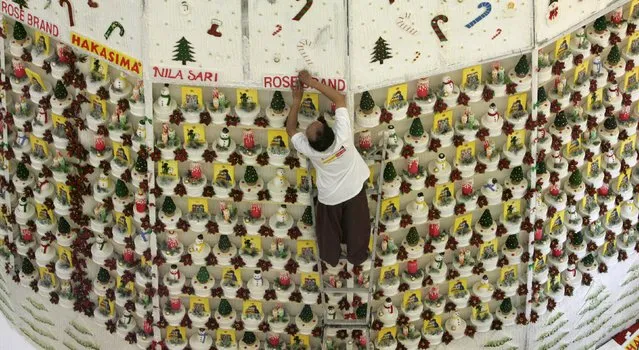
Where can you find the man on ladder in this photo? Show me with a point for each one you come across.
(342, 214)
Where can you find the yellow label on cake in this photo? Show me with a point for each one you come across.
(98, 106)
(144, 262)
(623, 178)
(176, 334)
(612, 215)
(120, 284)
(194, 133)
(462, 222)
(412, 296)
(581, 72)
(39, 146)
(98, 67)
(562, 45)
(231, 274)
(540, 263)
(64, 191)
(58, 121)
(168, 168)
(310, 101)
(124, 221)
(488, 248)
(44, 41)
(310, 279)
(301, 340)
(389, 272)
(557, 219)
(516, 140)
(198, 205)
(252, 243)
(396, 95)
(43, 212)
(306, 247)
(390, 207)
(387, 333)
(301, 175)
(457, 286)
(121, 152)
(46, 276)
(481, 310)
(444, 190)
(573, 146)
(471, 75)
(250, 95)
(594, 166)
(631, 78)
(192, 96)
(467, 150)
(223, 172)
(508, 273)
(65, 255)
(433, 325)
(596, 96)
(371, 176)
(277, 138)
(584, 200)
(511, 207)
(35, 78)
(199, 305)
(517, 103)
(443, 120)
(631, 39)
(106, 306)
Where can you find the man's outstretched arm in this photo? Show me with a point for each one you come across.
(332, 94)
(291, 121)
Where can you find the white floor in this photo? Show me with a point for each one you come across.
(11, 339)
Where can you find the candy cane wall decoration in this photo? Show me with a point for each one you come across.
(278, 28)
(69, 10)
(435, 25)
(112, 27)
(302, 47)
(487, 10)
(402, 22)
(303, 11)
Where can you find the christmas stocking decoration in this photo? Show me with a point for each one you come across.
(215, 24)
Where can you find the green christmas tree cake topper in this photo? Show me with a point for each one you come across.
(224, 308)
(575, 179)
(27, 266)
(19, 33)
(522, 68)
(60, 91)
(416, 128)
(614, 56)
(250, 175)
(506, 306)
(389, 172)
(366, 103)
(203, 275)
(600, 25)
(277, 103)
(486, 220)
(306, 315)
(168, 207)
(517, 175)
(412, 238)
(512, 242)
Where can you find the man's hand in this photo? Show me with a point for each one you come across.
(305, 77)
(298, 91)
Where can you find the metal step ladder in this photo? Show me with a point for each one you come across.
(364, 324)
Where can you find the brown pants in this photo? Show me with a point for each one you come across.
(347, 223)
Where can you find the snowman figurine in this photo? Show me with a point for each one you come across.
(120, 83)
(140, 132)
(257, 278)
(104, 182)
(165, 96)
(42, 117)
(282, 214)
(448, 86)
(224, 141)
(174, 274)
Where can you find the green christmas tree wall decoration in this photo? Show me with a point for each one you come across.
(224, 308)
(416, 128)
(183, 51)
(614, 56)
(121, 190)
(103, 276)
(60, 91)
(202, 275)
(27, 266)
(19, 33)
(512, 242)
(22, 3)
(389, 172)
(381, 51)
(486, 220)
(366, 103)
(412, 238)
(277, 102)
(522, 68)
(250, 175)
(306, 315)
(517, 175)
(168, 207)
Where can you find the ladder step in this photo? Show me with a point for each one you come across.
(346, 290)
(346, 323)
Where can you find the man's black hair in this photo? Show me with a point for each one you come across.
(324, 138)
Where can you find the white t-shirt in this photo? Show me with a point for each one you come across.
(341, 171)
